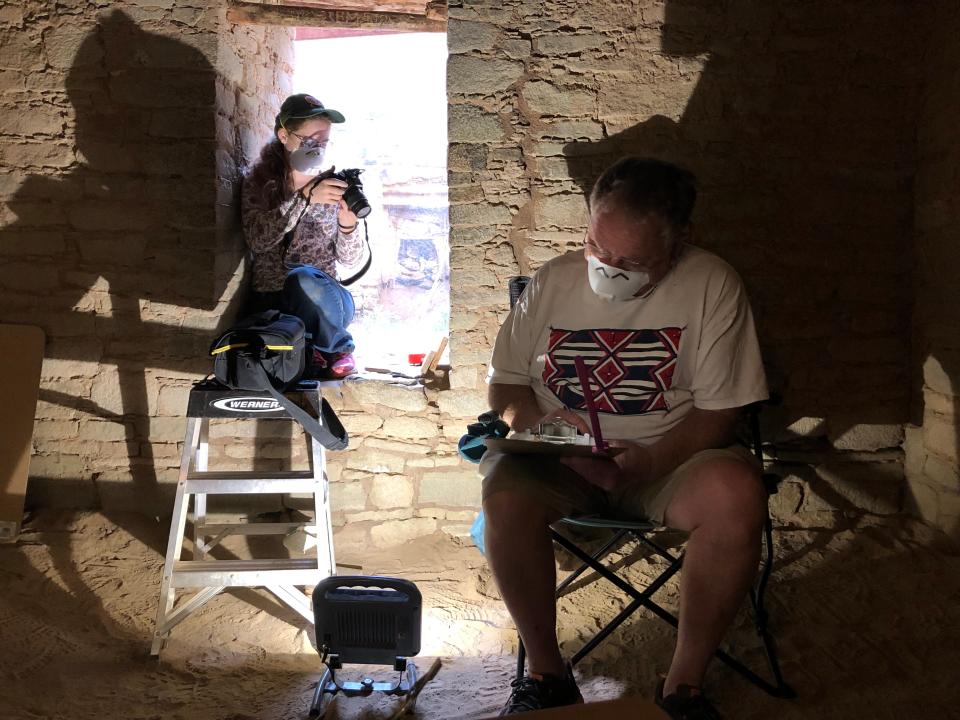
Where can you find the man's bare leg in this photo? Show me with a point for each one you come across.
(723, 505)
(520, 553)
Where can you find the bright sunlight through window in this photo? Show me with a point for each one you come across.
(392, 91)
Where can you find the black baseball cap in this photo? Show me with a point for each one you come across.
(302, 106)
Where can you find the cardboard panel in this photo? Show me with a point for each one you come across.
(629, 708)
(20, 364)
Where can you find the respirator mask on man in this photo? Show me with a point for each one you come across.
(612, 283)
(308, 158)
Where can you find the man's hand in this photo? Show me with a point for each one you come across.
(632, 465)
(568, 416)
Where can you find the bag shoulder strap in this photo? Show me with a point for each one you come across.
(333, 437)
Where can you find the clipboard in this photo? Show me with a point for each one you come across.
(539, 447)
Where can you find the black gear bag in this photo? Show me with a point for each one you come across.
(267, 351)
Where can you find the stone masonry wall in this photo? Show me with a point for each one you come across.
(124, 129)
(932, 444)
(798, 120)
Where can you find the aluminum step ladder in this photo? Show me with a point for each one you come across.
(207, 577)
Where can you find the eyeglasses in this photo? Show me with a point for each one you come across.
(610, 259)
(310, 141)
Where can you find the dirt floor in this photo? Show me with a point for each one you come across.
(868, 621)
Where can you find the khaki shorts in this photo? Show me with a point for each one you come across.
(566, 492)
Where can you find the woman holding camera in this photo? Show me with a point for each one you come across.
(298, 227)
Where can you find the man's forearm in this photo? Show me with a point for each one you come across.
(516, 404)
(699, 430)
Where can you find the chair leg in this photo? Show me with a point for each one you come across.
(521, 658)
(761, 617)
(780, 690)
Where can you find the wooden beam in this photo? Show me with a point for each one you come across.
(299, 16)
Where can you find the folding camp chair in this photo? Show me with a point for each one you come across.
(643, 530)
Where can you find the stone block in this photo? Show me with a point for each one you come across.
(347, 496)
(479, 214)
(467, 156)
(865, 436)
(940, 437)
(404, 426)
(555, 44)
(172, 399)
(544, 98)
(481, 76)
(460, 488)
(391, 491)
(940, 404)
(37, 155)
(365, 393)
(361, 423)
(914, 452)
(396, 532)
(466, 378)
(941, 473)
(464, 36)
(464, 403)
(560, 211)
(379, 515)
(471, 124)
(45, 430)
(103, 430)
(516, 48)
(874, 487)
(374, 461)
(397, 446)
(936, 375)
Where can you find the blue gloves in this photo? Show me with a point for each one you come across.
(488, 425)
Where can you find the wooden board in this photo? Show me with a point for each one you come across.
(20, 364)
(533, 447)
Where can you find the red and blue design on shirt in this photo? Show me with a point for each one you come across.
(630, 370)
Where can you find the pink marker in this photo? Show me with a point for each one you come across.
(599, 445)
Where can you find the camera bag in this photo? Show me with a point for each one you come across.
(267, 352)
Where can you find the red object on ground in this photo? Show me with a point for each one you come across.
(416, 358)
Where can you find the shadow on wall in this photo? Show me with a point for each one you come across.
(111, 257)
(800, 132)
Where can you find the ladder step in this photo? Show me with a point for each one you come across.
(244, 573)
(251, 482)
(255, 528)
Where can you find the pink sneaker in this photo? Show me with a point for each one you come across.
(341, 365)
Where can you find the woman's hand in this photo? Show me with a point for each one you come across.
(346, 219)
(328, 191)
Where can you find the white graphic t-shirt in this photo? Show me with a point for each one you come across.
(689, 343)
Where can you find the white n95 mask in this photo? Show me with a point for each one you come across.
(308, 158)
(612, 283)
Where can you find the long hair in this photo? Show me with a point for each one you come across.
(271, 173)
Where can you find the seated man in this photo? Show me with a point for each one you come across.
(667, 333)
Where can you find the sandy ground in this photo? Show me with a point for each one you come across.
(868, 621)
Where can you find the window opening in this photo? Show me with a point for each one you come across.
(392, 90)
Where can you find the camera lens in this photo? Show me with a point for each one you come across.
(356, 201)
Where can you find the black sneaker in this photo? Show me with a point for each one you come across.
(531, 694)
(687, 703)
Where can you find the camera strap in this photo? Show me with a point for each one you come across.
(288, 236)
(366, 266)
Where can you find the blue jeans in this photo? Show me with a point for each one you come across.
(324, 305)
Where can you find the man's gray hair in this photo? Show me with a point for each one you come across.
(644, 186)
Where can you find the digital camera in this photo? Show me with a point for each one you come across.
(353, 196)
